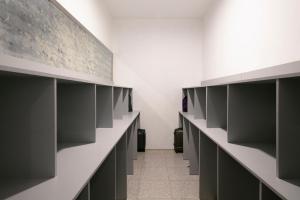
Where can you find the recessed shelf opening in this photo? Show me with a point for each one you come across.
(76, 113)
(208, 168)
(27, 142)
(266, 193)
(186, 129)
(103, 183)
(125, 101)
(118, 105)
(217, 107)
(234, 181)
(288, 129)
(121, 168)
(104, 106)
(252, 115)
(180, 121)
(200, 103)
(194, 149)
(191, 100)
(184, 98)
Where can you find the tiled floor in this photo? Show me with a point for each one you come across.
(162, 175)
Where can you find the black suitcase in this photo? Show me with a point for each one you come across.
(141, 140)
(178, 140)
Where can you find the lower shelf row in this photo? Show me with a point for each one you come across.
(110, 180)
(221, 176)
(224, 178)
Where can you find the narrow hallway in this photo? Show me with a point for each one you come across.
(162, 175)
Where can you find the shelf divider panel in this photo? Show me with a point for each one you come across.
(234, 181)
(76, 113)
(104, 106)
(103, 183)
(200, 103)
(288, 128)
(208, 168)
(217, 107)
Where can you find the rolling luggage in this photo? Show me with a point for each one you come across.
(141, 140)
(178, 140)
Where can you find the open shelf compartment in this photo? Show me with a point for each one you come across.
(76, 113)
(288, 129)
(200, 103)
(131, 146)
(180, 121)
(121, 169)
(28, 133)
(125, 101)
(184, 95)
(252, 115)
(266, 194)
(234, 181)
(118, 102)
(122, 97)
(186, 129)
(104, 106)
(191, 100)
(194, 149)
(208, 168)
(103, 183)
(217, 107)
(135, 137)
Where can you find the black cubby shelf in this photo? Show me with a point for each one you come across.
(248, 137)
(59, 134)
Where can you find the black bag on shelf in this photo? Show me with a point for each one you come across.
(141, 140)
(178, 140)
(185, 104)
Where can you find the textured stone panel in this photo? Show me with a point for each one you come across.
(37, 30)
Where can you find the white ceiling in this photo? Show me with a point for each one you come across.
(157, 8)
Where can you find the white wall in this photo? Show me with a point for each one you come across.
(94, 15)
(242, 35)
(157, 57)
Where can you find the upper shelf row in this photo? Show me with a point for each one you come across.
(40, 116)
(261, 113)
